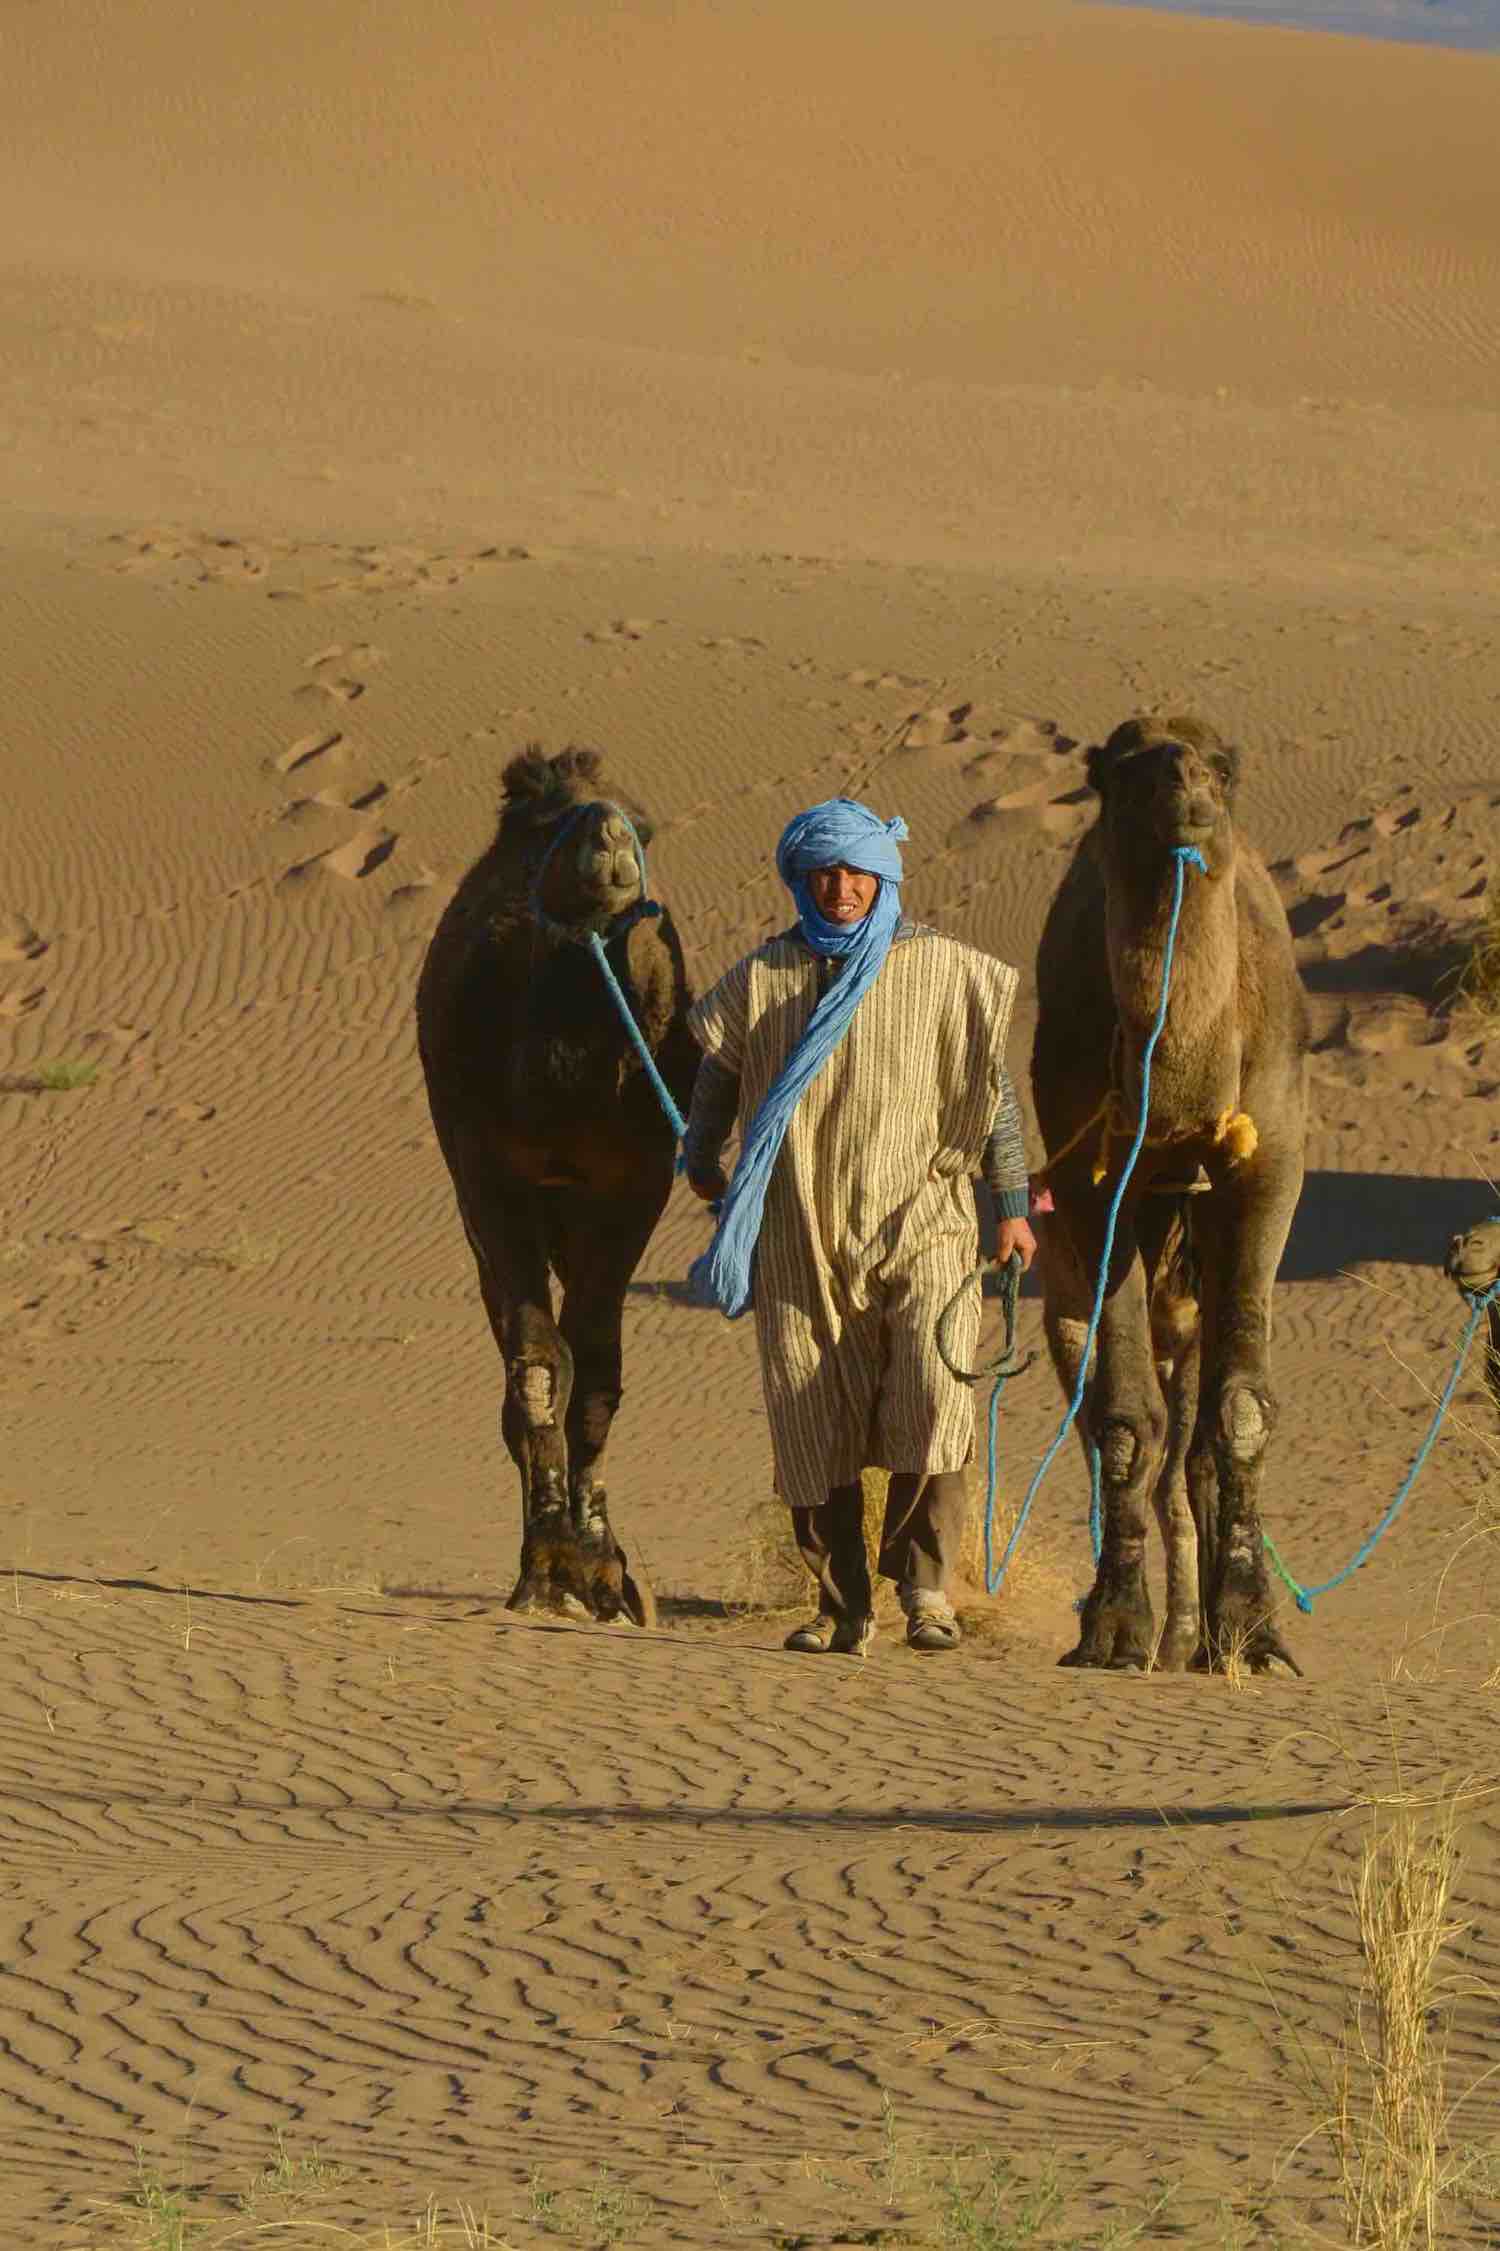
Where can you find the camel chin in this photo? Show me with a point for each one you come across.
(585, 1576)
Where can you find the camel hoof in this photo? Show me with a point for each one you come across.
(1257, 1648)
(1175, 1652)
(1117, 1631)
(583, 1575)
(639, 1601)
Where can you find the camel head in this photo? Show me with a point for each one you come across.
(1165, 782)
(561, 823)
(1473, 1260)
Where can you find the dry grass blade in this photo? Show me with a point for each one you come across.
(768, 1575)
(1391, 2121)
(1479, 979)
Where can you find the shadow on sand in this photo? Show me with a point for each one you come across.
(839, 1820)
(1350, 1218)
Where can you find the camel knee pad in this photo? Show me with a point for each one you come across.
(533, 1388)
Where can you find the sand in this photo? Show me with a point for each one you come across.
(791, 399)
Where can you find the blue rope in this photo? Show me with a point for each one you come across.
(646, 906)
(1479, 1302)
(1096, 1503)
(1183, 856)
(673, 1115)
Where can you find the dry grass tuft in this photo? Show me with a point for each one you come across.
(157, 2218)
(1390, 2128)
(1479, 979)
(768, 1576)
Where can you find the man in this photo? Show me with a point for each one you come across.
(865, 1053)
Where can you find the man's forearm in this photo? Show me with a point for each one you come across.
(1003, 1165)
(716, 1105)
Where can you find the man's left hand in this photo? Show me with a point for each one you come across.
(1015, 1236)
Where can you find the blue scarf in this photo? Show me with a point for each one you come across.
(836, 832)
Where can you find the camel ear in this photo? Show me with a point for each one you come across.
(1097, 762)
(1104, 757)
(578, 763)
(529, 775)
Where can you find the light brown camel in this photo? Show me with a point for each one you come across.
(1180, 1404)
(560, 1156)
(1473, 1262)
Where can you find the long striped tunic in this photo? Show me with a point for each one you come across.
(869, 1225)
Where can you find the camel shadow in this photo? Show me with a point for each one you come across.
(1402, 1219)
(1355, 1218)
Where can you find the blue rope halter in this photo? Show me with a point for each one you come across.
(643, 909)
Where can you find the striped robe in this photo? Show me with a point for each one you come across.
(869, 1225)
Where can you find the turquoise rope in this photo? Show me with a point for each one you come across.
(1479, 1303)
(673, 1115)
(1183, 857)
(646, 906)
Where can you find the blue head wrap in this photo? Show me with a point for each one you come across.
(839, 832)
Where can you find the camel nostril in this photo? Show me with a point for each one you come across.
(614, 832)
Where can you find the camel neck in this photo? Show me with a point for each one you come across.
(1205, 962)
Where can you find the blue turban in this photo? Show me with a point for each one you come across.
(843, 833)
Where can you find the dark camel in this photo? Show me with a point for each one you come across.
(1473, 1262)
(560, 1155)
(1181, 1404)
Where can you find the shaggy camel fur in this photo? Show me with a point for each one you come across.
(1473, 1262)
(560, 1156)
(1180, 1404)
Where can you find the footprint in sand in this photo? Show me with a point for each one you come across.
(323, 749)
(338, 687)
(345, 655)
(1392, 818)
(367, 850)
(936, 729)
(1388, 1027)
(624, 629)
(890, 681)
(15, 1003)
(1059, 814)
(18, 941)
(358, 856)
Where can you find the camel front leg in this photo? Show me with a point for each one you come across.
(1242, 1232)
(1127, 1421)
(596, 1251)
(1182, 1631)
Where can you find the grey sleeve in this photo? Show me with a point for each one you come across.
(1003, 1165)
(716, 1105)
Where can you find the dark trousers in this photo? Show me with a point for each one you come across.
(919, 1541)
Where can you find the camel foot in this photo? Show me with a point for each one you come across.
(570, 1574)
(1178, 1646)
(1241, 1631)
(1117, 1629)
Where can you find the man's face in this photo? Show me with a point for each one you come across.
(842, 894)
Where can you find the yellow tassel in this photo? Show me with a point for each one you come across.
(1235, 1133)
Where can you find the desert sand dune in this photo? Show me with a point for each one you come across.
(790, 400)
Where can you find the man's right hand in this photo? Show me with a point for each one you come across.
(708, 1187)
